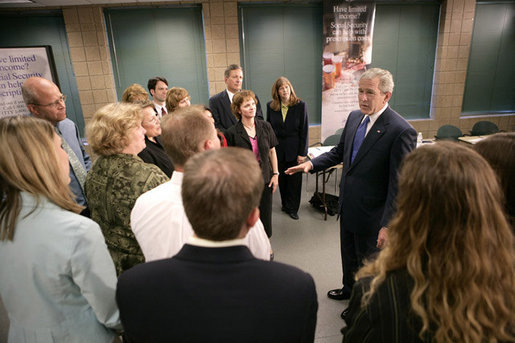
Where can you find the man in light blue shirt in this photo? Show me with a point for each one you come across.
(44, 100)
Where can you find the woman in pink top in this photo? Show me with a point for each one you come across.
(256, 135)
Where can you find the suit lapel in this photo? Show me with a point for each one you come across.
(227, 105)
(243, 133)
(376, 131)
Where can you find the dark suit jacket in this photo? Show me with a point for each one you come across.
(292, 134)
(217, 295)
(237, 136)
(369, 185)
(388, 316)
(220, 106)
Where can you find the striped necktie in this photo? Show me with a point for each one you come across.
(78, 168)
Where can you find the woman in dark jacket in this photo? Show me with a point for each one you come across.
(288, 116)
(258, 136)
(154, 152)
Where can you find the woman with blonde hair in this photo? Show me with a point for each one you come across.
(57, 279)
(288, 116)
(118, 177)
(447, 273)
(135, 93)
(154, 152)
(177, 97)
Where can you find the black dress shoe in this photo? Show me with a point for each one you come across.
(338, 294)
(294, 215)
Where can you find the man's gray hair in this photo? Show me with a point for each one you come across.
(231, 68)
(385, 78)
(29, 94)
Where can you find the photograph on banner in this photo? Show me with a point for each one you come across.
(17, 65)
(347, 50)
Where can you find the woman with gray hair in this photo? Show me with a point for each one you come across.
(118, 177)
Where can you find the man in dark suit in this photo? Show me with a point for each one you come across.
(220, 104)
(214, 289)
(369, 179)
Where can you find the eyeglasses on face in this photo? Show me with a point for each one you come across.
(54, 104)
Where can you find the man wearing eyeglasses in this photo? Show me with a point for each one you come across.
(44, 100)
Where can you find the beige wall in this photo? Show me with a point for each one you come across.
(92, 63)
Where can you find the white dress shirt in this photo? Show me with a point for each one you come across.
(159, 109)
(373, 118)
(230, 94)
(161, 227)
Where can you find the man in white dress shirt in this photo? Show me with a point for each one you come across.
(158, 219)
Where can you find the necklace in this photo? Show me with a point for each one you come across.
(250, 127)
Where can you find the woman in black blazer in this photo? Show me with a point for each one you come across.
(256, 135)
(288, 116)
(154, 152)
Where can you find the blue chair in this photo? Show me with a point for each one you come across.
(448, 132)
(484, 127)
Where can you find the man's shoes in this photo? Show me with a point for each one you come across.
(294, 215)
(339, 294)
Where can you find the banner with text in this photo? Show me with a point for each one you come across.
(347, 50)
(17, 65)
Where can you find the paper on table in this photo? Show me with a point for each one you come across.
(317, 151)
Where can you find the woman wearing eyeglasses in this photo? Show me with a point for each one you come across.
(177, 97)
(118, 177)
(154, 152)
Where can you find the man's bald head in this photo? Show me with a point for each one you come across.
(44, 99)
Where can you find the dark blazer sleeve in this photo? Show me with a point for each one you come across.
(330, 158)
(259, 112)
(216, 106)
(388, 316)
(302, 149)
(358, 324)
(403, 144)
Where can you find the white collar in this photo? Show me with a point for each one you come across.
(200, 242)
(230, 94)
(374, 117)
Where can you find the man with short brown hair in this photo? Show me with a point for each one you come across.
(158, 219)
(214, 290)
(220, 104)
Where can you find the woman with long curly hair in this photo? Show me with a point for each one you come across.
(447, 273)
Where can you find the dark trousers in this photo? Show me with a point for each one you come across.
(265, 209)
(354, 249)
(290, 187)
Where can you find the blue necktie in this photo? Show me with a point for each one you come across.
(359, 137)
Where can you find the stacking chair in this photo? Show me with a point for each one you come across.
(484, 127)
(448, 132)
(332, 140)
